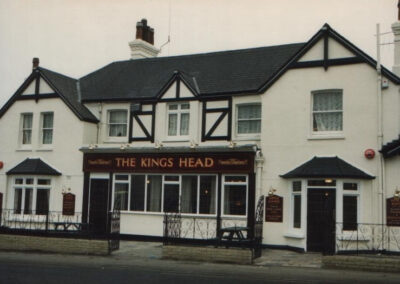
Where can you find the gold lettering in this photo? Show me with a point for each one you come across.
(191, 162)
(154, 162)
(163, 162)
(209, 162)
(170, 162)
(132, 162)
(199, 163)
(183, 163)
(144, 162)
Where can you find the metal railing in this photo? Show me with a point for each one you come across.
(367, 237)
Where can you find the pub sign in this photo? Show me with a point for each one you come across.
(393, 211)
(274, 208)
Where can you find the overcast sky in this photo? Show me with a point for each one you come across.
(76, 37)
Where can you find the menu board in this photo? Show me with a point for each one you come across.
(274, 208)
(68, 204)
(393, 211)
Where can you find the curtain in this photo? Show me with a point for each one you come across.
(27, 129)
(154, 193)
(189, 194)
(47, 128)
(117, 123)
(172, 124)
(327, 108)
(207, 194)
(249, 119)
(184, 124)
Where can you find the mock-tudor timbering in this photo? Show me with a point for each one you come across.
(207, 135)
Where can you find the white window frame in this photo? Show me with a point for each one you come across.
(223, 183)
(42, 129)
(163, 182)
(326, 134)
(35, 186)
(356, 193)
(179, 111)
(117, 138)
(293, 194)
(22, 129)
(244, 135)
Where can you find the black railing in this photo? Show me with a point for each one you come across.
(367, 238)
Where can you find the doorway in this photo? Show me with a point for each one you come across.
(321, 220)
(98, 205)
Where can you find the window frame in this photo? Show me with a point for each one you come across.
(109, 124)
(328, 133)
(354, 193)
(223, 183)
(179, 111)
(253, 134)
(23, 129)
(35, 186)
(42, 129)
(293, 195)
(163, 183)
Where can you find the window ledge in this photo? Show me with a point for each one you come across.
(24, 150)
(116, 140)
(326, 137)
(294, 235)
(248, 138)
(171, 140)
(45, 149)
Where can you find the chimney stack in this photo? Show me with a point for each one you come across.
(143, 45)
(35, 63)
(396, 32)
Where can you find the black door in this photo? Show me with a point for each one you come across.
(98, 205)
(321, 220)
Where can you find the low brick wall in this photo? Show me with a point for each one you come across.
(367, 263)
(209, 254)
(54, 245)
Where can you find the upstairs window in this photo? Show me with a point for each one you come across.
(178, 119)
(47, 128)
(26, 128)
(249, 119)
(117, 123)
(327, 111)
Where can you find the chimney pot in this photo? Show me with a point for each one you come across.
(35, 62)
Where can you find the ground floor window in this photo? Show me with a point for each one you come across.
(31, 195)
(235, 195)
(296, 203)
(350, 206)
(191, 194)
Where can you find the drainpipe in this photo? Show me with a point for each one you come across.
(381, 164)
(99, 124)
(259, 167)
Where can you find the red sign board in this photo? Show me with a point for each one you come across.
(173, 163)
(274, 208)
(69, 204)
(393, 211)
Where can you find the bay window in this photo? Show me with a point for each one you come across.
(31, 195)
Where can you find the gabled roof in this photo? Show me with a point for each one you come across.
(33, 167)
(391, 149)
(327, 167)
(65, 88)
(227, 72)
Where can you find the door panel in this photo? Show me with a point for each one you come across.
(98, 205)
(321, 220)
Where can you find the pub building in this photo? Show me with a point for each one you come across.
(217, 137)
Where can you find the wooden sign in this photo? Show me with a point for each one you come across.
(68, 204)
(274, 208)
(393, 211)
(172, 163)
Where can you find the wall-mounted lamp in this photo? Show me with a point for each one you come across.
(271, 191)
(93, 146)
(124, 146)
(232, 144)
(193, 144)
(157, 144)
(397, 193)
(65, 190)
(328, 180)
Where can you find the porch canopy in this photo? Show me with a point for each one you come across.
(327, 167)
(33, 167)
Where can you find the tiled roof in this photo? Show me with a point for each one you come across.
(33, 167)
(327, 167)
(391, 149)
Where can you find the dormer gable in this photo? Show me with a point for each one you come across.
(179, 87)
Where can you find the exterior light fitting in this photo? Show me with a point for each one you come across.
(328, 180)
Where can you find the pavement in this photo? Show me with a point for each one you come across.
(270, 257)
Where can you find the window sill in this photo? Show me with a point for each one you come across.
(248, 138)
(45, 149)
(176, 139)
(327, 136)
(116, 140)
(24, 150)
(294, 235)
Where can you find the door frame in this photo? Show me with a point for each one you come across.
(96, 176)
